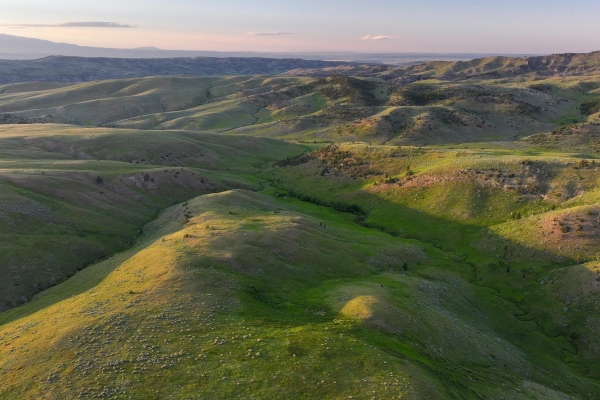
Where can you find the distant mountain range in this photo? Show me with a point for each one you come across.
(21, 48)
(71, 63)
(86, 69)
(567, 64)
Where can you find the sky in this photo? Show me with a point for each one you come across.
(376, 26)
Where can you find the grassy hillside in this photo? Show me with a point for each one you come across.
(335, 108)
(426, 239)
(71, 196)
(99, 103)
(579, 138)
(230, 304)
(521, 217)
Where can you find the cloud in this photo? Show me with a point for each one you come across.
(269, 33)
(382, 37)
(90, 24)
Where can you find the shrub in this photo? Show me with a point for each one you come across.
(337, 87)
(420, 95)
(336, 205)
(590, 107)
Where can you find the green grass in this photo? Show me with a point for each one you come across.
(339, 108)
(180, 263)
(452, 202)
(72, 195)
(191, 311)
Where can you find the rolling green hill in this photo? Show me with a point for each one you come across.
(525, 219)
(71, 196)
(437, 284)
(335, 109)
(303, 237)
(276, 298)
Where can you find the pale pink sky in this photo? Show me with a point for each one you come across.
(508, 26)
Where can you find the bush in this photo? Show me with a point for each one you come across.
(336, 205)
(337, 87)
(541, 87)
(420, 95)
(590, 107)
